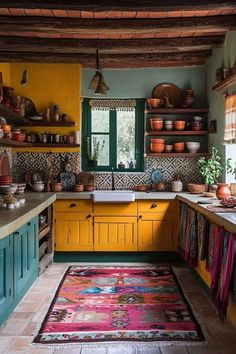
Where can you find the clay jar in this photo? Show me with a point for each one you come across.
(56, 187)
(179, 124)
(223, 191)
(156, 123)
(78, 188)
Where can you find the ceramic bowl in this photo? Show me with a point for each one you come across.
(154, 102)
(9, 189)
(196, 188)
(193, 146)
(179, 124)
(37, 186)
(158, 148)
(156, 124)
(168, 148)
(158, 141)
(21, 188)
(169, 124)
(179, 147)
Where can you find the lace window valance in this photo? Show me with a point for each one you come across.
(230, 119)
(113, 104)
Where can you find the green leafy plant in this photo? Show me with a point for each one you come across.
(211, 168)
(229, 168)
(94, 148)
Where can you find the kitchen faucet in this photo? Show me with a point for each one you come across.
(112, 179)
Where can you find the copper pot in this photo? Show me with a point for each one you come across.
(78, 187)
(89, 187)
(56, 187)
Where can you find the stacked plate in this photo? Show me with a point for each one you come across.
(5, 180)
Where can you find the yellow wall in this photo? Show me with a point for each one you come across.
(5, 70)
(48, 84)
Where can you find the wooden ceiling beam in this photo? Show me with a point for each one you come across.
(109, 46)
(121, 5)
(116, 26)
(111, 60)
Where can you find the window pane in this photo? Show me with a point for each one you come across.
(100, 121)
(100, 146)
(125, 136)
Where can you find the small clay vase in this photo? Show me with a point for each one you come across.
(56, 187)
(223, 191)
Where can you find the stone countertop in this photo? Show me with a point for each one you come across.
(11, 220)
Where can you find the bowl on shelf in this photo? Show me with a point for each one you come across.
(37, 186)
(179, 124)
(179, 147)
(157, 148)
(193, 146)
(156, 123)
(169, 124)
(8, 189)
(154, 102)
(196, 188)
(140, 188)
(168, 148)
(158, 141)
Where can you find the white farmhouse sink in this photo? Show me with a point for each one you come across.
(122, 196)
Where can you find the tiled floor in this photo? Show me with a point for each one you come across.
(16, 336)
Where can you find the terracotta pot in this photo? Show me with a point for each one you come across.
(179, 124)
(89, 187)
(158, 141)
(160, 186)
(223, 191)
(78, 187)
(156, 124)
(196, 188)
(179, 147)
(154, 102)
(158, 148)
(56, 187)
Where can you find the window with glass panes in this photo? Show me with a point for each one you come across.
(112, 136)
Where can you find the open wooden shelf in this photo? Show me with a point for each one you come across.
(43, 123)
(177, 154)
(226, 83)
(175, 132)
(55, 145)
(44, 231)
(177, 110)
(14, 143)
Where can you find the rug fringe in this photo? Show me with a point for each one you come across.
(125, 345)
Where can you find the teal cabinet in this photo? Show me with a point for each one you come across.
(6, 270)
(18, 266)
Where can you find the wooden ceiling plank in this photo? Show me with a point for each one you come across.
(121, 5)
(112, 45)
(130, 26)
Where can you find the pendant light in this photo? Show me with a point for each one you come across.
(97, 83)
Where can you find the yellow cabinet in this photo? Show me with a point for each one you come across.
(73, 226)
(157, 225)
(115, 233)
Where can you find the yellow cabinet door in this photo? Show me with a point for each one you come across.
(74, 232)
(115, 233)
(155, 232)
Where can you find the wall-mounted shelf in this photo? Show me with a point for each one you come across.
(177, 154)
(19, 144)
(43, 123)
(13, 143)
(226, 83)
(11, 116)
(177, 110)
(175, 132)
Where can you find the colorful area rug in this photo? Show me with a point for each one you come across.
(115, 303)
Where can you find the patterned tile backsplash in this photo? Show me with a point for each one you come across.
(55, 163)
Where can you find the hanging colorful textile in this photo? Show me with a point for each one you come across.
(210, 248)
(202, 231)
(230, 119)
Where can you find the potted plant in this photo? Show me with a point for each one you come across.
(93, 150)
(211, 169)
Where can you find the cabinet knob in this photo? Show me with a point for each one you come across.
(153, 206)
(73, 205)
(16, 233)
(140, 216)
(88, 216)
(29, 223)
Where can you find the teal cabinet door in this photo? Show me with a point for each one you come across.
(6, 278)
(25, 257)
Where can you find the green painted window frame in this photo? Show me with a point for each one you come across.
(139, 138)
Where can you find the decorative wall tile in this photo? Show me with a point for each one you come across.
(54, 163)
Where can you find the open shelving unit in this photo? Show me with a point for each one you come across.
(19, 144)
(226, 83)
(46, 240)
(201, 135)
